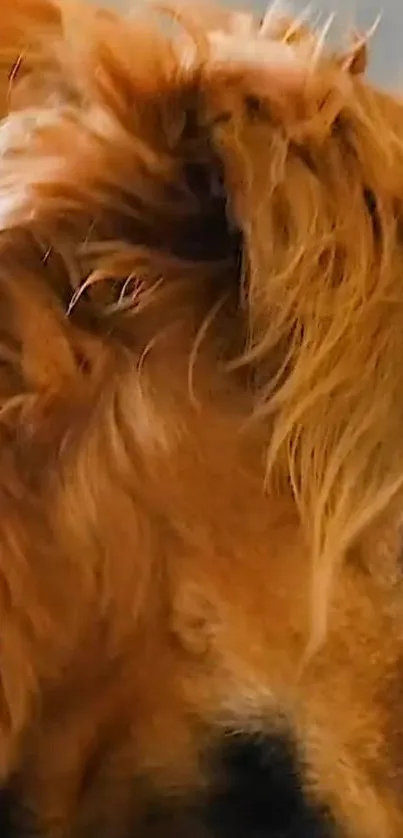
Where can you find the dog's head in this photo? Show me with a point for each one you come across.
(201, 382)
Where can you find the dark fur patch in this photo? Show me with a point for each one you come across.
(7, 813)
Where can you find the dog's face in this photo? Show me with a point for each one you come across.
(202, 467)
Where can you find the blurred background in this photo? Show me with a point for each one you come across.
(386, 53)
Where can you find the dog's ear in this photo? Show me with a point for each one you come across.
(313, 171)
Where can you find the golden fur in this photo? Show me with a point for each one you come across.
(201, 428)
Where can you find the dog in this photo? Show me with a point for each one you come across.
(201, 379)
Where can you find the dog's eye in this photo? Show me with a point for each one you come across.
(370, 202)
(256, 109)
(372, 207)
(304, 154)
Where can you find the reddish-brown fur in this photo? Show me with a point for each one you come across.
(201, 455)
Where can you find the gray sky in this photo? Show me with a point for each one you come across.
(387, 45)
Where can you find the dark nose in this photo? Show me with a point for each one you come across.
(7, 805)
(258, 792)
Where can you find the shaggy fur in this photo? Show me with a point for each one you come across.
(201, 383)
